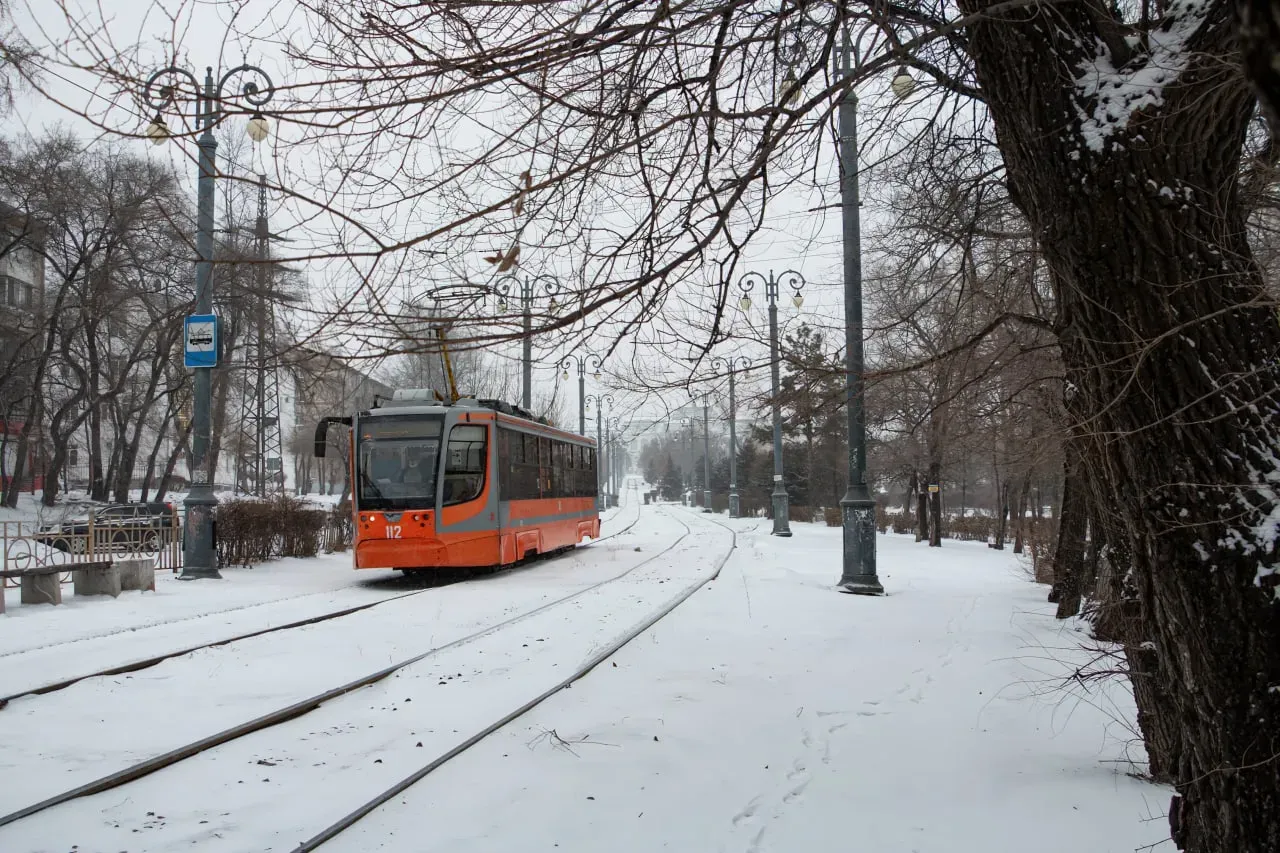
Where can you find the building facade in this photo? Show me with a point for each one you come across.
(22, 314)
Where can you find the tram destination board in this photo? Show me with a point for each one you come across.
(401, 426)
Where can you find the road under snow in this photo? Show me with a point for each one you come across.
(768, 712)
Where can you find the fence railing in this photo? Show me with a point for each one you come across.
(25, 545)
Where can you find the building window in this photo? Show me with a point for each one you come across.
(15, 293)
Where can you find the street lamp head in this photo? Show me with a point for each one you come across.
(157, 132)
(502, 304)
(258, 127)
(745, 303)
(797, 300)
(903, 84)
(565, 375)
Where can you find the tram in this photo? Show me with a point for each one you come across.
(464, 484)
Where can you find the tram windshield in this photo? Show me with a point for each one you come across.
(398, 456)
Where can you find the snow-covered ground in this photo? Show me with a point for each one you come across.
(768, 712)
(40, 644)
(772, 714)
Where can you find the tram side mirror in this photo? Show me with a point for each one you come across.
(322, 433)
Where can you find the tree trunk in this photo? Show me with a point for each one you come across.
(60, 439)
(154, 455)
(97, 476)
(1068, 552)
(1179, 370)
(922, 510)
(14, 487)
(179, 449)
(935, 505)
(1260, 46)
(1020, 522)
(1002, 513)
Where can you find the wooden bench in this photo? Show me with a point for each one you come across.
(40, 584)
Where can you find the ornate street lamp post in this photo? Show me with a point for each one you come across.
(199, 557)
(857, 508)
(583, 362)
(612, 436)
(794, 281)
(730, 365)
(525, 290)
(706, 450)
(602, 402)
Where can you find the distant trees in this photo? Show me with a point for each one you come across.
(92, 368)
(99, 348)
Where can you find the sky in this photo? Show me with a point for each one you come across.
(796, 238)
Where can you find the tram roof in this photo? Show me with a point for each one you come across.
(412, 404)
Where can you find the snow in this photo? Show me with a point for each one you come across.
(1109, 97)
(41, 645)
(768, 712)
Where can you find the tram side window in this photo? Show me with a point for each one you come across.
(581, 479)
(519, 467)
(593, 484)
(559, 470)
(534, 467)
(465, 463)
(544, 468)
(571, 474)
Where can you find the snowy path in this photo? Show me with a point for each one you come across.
(770, 713)
(478, 683)
(767, 713)
(43, 645)
(98, 720)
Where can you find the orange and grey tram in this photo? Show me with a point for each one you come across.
(475, 483)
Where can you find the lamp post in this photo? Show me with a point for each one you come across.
(525, 290)
(794, 281)
(602, 401)
(199, 559)
(582, 362)
(706, 450)
(730, 365)
(857, 507)
(613, 432)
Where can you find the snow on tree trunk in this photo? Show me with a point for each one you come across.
(1129, 179)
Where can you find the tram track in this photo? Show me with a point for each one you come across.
(148, 662)
(352, 818)
(298, 709)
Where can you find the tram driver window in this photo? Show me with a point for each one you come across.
(465, 464)
(415, 472)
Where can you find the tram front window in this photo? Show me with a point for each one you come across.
(397, 463)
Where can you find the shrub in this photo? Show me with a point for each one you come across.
(250, 531)
(338, 530)
(832, 516)
(884, 520)
(800, 513)
(972, 528)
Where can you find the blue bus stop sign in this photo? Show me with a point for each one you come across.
(201, 341)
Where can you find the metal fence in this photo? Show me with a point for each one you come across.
(26, 546)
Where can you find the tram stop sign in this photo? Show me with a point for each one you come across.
(201, 341)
